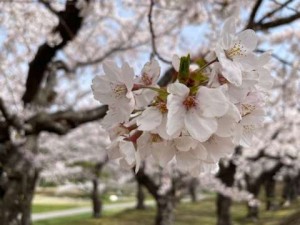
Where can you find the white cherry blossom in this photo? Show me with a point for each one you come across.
(115, 89)
(235, 51)
(195, 113)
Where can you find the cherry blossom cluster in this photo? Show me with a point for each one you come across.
(214, 104)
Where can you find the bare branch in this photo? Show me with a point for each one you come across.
(63, 121)
(255, 9)
(49, 7)
(268, 15)
(154, 49)
(277, 22)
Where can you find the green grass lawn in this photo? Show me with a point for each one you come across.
(202, 213)
(43, 203)
(40, 208)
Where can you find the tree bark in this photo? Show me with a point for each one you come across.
(96, 200)
(140, 197)
(97, 203)
(289, 189)
(226, 175)
(18, 180)
(270, 193)
(165, 210)
(193, 189)
(223, 210)
(253, 188)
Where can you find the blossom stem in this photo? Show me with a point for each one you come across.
(208, 64)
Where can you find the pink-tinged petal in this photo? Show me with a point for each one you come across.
(212, 102)
(150, 119)
(152, 70)
(227, 33)
(255, 118)
(163, 152)
(125, 165)
(237, 94)
(111, 70)
(226, 126)
(218, 147)
(113, 151)
(186, 160)
(178, 89)
(185, 143)
(127, 149)
(248, 39)
(176, 62)
(127, 76)
(144, 145)
(199, 127)
(144, 97)
(247, 136)
(161, 130)
(200, 152)
(102, 90)
(232, 72)
(176, 112)
(246, 62)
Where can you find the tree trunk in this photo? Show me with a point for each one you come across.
(289, 190)
(223, 210)
(270, 194)
(97, 203)
(226, 175)
(193, 189)
(18, 180)
(165, 210)
(140, 197)
(96, 200)
(253, 210)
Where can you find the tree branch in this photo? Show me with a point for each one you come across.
(70, 22)
(63, 121)
(277, 22)
(271, 13)
(255, 9)
(10, 119)
(154, 49)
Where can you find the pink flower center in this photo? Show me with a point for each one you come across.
(162, 106)
(222, 80)
(147, 80)
(189, 102)
(119, 90)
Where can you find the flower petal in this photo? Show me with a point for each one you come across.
(248, 39)
(163, 152)
(178, 89)
(213, 102)
(199, 127)
(150, 119)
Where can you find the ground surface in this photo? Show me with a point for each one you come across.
(202, 212)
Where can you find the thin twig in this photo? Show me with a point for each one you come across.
(154, 49)
(268, 15)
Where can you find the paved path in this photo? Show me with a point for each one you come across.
(82, 210)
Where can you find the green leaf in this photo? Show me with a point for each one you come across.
(184, 69)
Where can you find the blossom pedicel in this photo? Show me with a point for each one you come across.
(195, 120)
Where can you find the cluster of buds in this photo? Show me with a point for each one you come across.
(214, 104)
